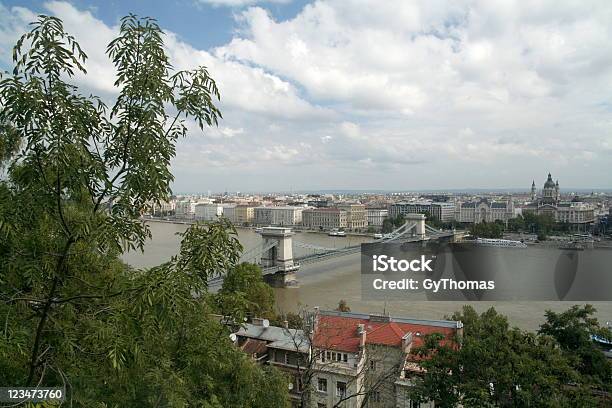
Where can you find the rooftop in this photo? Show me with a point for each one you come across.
(339, 331)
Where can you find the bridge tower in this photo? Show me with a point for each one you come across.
(419, 219)
(278, 259)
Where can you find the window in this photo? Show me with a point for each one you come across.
(340, 389)
(321, 405)
(322, 385)
(373, 365)
(376, 396)
(414, 404)
(345, 357)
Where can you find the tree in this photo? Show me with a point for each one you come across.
(245, 294)
(343, 306)
(573, 330)
(78, 175)
(487, 230)
(497, 366)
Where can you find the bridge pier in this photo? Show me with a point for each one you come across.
(278, 260)
(419, 219)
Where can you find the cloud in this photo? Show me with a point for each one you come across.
(363, 93)
(239, 3)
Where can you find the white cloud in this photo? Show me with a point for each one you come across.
(240, 3)
(458, 92)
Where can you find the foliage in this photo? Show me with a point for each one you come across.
(498, 366)
(78, 175)
(343, 306)
(392, 223)
(244, 294)
(573, 330)
(487, 230)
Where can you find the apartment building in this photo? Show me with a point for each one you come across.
(376, 216)
(355, 215)
(361, 355)
(243, 215)
(208, 212)
(286, 349)
(324, 218)
(346, 359)
(278, 215)
(442, 211)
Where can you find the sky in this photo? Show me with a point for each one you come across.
(385, 95)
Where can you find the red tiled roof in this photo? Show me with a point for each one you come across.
(340, 332)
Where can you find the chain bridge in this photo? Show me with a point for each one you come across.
(275, 253)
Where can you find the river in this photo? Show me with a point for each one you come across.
(323, 284)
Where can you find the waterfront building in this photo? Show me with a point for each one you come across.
(376, 216)
(163, 208)
(355, 215)
(243, 215)
(484, 210)
(185, 209)
(442, 211)
(579, 215)
(278, 215)
(208, 212)
(324, 218)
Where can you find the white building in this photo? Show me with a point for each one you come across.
(208, 212)
(278, 215)
(484, 210)
(376, 216)
(185, 209)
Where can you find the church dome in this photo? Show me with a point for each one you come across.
(549, 183)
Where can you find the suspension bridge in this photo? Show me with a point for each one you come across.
(275, 253)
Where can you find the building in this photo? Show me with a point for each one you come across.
(442, 211)
(229, 212)
(208, 212)
(346, 356)
(324, 218)
(286, 349)
(355, 215)
(376, 216)
(185, 209)
(579, 215)
(243, 215)
(483, 210)
(359, 354)
(280, 216)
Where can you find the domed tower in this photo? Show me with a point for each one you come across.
(533, 191)
(549, 192)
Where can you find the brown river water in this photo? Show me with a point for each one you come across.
(324, 283)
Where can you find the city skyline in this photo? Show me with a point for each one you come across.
(405, 96)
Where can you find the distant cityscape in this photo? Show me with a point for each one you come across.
(366, 212)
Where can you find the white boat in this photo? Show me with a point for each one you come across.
(378, 236)
(499, 243)
(259, 230)
(336, 233)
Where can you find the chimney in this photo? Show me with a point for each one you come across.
(407, 342)
(362, 334)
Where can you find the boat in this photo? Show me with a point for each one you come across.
(572, 246)
(378, 236)
(499, 243)
(259, 230)
(336, 233)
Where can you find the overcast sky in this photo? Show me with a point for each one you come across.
(375, 94)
